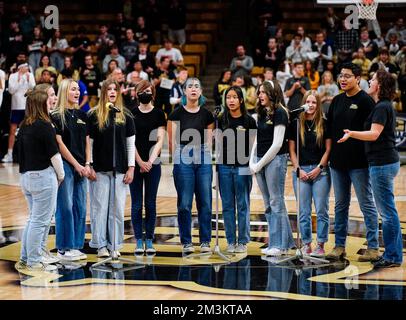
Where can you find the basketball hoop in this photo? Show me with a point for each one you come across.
(367, 9)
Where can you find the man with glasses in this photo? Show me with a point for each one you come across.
(348, 163)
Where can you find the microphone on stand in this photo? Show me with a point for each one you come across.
(112, 107)
(295, 113)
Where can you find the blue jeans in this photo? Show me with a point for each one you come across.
(40, 189)
(382, 186)
(105, 212)
(192, 174)
(271, 182)
(235, 187)
(319, 191)
(151, 182)
(342, 180)
(70, 217)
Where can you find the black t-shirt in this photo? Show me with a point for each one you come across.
(348, 113)
(188, 120)
(310, 153)
(91, 79)
(145, 123)
(73, 133)
(232, 143)
(383, 150)
(295, 100)
(36, 146)
(103, 144)
(265, 131)
(163, 94)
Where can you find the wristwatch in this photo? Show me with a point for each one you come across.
(320, 166)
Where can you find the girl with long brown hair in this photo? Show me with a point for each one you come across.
(315, 182)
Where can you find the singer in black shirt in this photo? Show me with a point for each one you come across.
(235, 180)
(349, 110)
(110, 113)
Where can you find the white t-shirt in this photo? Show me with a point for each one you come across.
(18, 88)
(2, 85)
(59, 44)
(174, 54)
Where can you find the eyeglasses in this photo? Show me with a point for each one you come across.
(346, 76)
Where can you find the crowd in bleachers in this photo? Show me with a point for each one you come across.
(301, 61)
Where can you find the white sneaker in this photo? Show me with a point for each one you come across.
(188, 248)
(41, 267)
(231, 248)
(7, 158)
(265, 250)
(205, 247)
(275, 252)
(3, 239)
(117, 253)
(103, 253)
(48, 258)
(79, 253)
(68, 255)
(241, 248)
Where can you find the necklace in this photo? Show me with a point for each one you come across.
(309, 128)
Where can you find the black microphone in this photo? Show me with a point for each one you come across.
(112, 107)
(296, 112)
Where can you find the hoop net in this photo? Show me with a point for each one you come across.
(365, 10)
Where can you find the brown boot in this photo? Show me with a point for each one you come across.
(369, 255)
(337, 254)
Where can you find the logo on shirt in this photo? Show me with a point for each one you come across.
(80, 122)
(354, 107)
(241, 128)
(269, 122)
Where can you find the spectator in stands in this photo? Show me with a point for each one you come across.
(163, 80)
(282, 75)
(104, 41)
(347, 38)
(274, 56)
(332, 68)
(90, 75)
(27, 22)
(141, 31)
(36, 48)
(57, 47)
(369, 46)
(384, 63)
(394, 44)
(44, 64)
(114, 54)
(400, 59)
(331, 24)
(129, 47)
(177, 88)
(280, 40)
(241, 64)
(48, 77)
(177, 22)
(18, 84)
(327, 91)
(152, 14)
(398, 29)
(259, 40)
(174, 54)
(325, 52)
(68, 65)
(133, 78)
(312, 75)
(269, 74)
(21, 58)
(296, 86)
(118, 75)
(296, 52)
(146, 58)
(364, 63)
(220, 86)
(80, 46)
(113, 64)
(13, 42)
(305, 42)
(119, 28)
(137, 66)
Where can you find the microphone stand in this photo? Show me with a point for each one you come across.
(299, 258)
(114, 258)
(216, 251)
